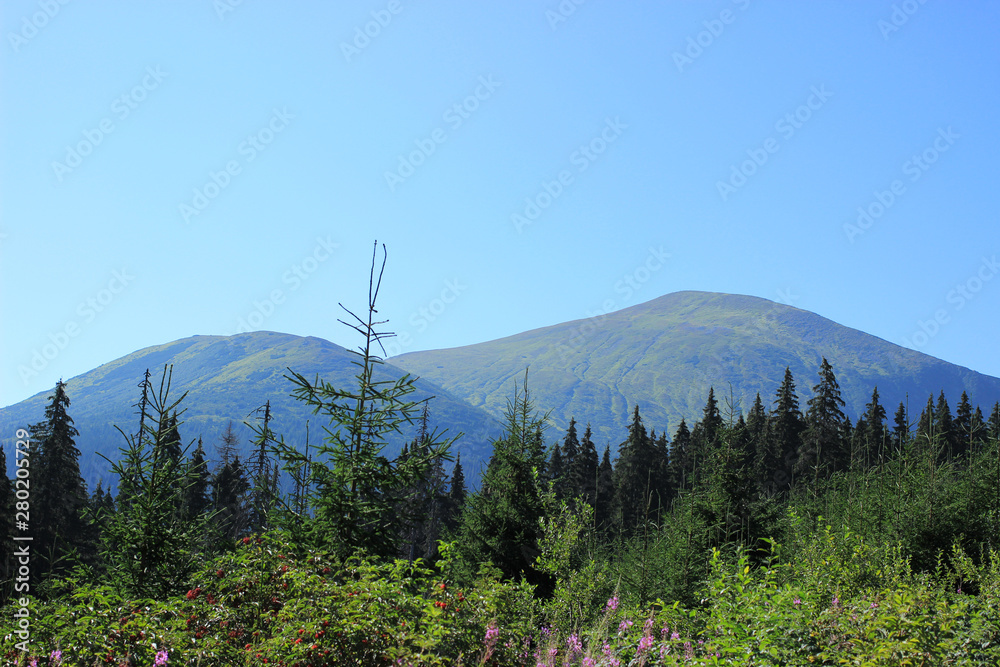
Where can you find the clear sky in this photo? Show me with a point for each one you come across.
(181, 167)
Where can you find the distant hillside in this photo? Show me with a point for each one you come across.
(227, 378)
(666, 353)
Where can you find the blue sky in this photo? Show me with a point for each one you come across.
(198, 167)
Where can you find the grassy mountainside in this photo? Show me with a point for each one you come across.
(666, 353)
(227, 377)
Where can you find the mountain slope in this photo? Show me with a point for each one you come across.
(227, 378)
(666, 353)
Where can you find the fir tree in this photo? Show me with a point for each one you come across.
(823, 448)
(457, 487)
(197, 500)
(786, 427)
(637, 484)
(571, 483)
(681, 459)
(59, 492)
(584, 469)
(900, 428)
(605, 494)
(946, 427)
(964, 434)
(230, 501)
(501, 522)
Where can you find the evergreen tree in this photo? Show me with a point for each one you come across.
(705, 435)
(228, 444)
(605, 495)
(993, 425)
(457, 486)
(964, 434)
(584, 469)
(638, 496)
(681, 459)
(197, 500)
(871, 433)
(59, 493)
(946, 427)
(555, 470)
(823, 448)
(230, 501)
(150, 547)
(570, 484)
(767, 461)
(501, 522)
(356, 486)
(786, 427)
(263, 487)
(900, 428)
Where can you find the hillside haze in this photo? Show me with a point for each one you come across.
(665, 354)
(228, 378)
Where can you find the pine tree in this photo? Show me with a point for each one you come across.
(872, 433)
(501, 522)
(356, 486)
(787, 426)
(151, 548)
(230, 501)
(263, 490)
(681, 459)
(571, 483)
(964, 435)
(900, 428)
(946, 427)
(457, 487)
(993, 425)
(59, 492)
(823, 449)
(605, 495)
(196, 497)
(639, 495)
(584, 469)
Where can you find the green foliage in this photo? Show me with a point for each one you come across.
(354, 486)
(150, 544)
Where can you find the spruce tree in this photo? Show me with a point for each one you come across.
(569, 486)
(605, 495)
(59, 493)
(964, 434)
(457, 487)
(993, 425)
(681, 459)
(872, 434)
(786, 428)
(501, 522)
(637, 498)
(946, 427)
(197, 500)
(584, 469)
(230, 501)
(823, 448)
(900, 428)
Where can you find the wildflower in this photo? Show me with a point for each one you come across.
(688, 651)
(644, 644)
(613, 603)
(874, 605)
(161, 659)
(796, 602)
(574, 645)
(55, 657)
(624, 625)
(675, 635)
(589, 662)
(836, 601)
(490, 641)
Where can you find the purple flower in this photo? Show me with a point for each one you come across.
(574, 645)
(796, 602)
(645, 644)
(624, 625)
(161, 659)
(613, 603)
(675, 635)
(55, 657)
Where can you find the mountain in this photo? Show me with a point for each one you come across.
(665, 354)
(227, 378)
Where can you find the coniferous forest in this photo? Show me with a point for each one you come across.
(784, 533)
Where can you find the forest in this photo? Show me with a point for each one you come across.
(783, 534)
